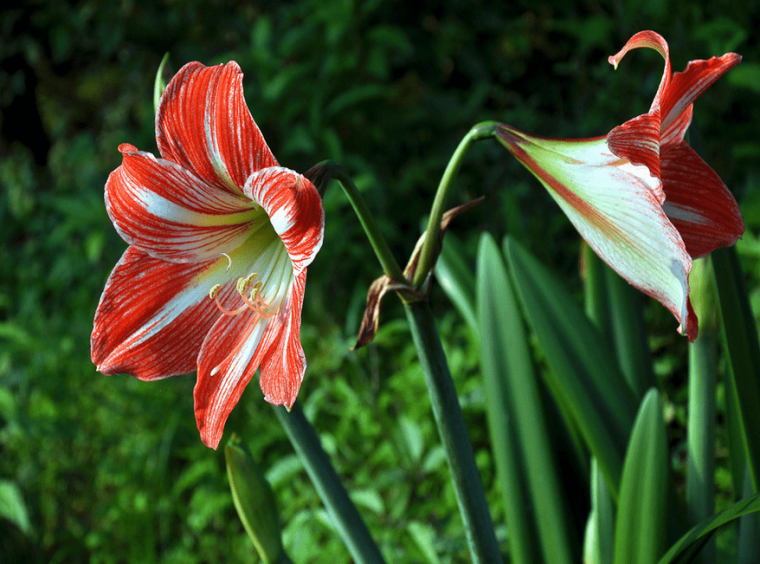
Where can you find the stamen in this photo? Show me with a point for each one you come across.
(253, 301)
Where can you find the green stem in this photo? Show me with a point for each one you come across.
(346, 517)
(383, 252)
(427, 257)
(451, 427)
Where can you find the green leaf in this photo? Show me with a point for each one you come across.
(600, 529)
(584, 379)
(749, 531)
(615, 308)
(12, 506)
(743, 350)
(505, 360)
(689, 544)
(424, 537)
(642, 508)
(160, 83)
(629, 334)
(254, 500)
(455, 278)
(703, 363)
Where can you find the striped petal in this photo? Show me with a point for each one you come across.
(697, 202)
(613, 205)
(229, 358)
(203, 124)
(234, 350)
(638, 140)
(170, 213)
(650, 40)
(685, 87)
(283, 367)
(154, 315)
(294, 208)
(677, 92)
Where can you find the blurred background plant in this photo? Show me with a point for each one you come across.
(111, 470)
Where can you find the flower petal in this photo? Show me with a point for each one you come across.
(687, 86)
(227, 361)
(697, 202)
(153, 316)
(284, 364)
(203, 124)
(171, 214)
(616, 211)
(234, 350)
(294, 208)
(676, 130)
(651, 40)
(638, 140)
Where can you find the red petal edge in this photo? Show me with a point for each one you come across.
(295, 209)
(134, 304)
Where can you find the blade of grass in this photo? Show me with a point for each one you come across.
(512, 388)
(642, 509)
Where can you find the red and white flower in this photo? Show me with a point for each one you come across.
(641, 196)
(219, 240)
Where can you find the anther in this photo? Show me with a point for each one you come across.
(250, 294)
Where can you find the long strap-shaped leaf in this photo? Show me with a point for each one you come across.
(743, 350)
(455, 277)
(642, 509)
(689, 544)
(514, 401)
(584, 376)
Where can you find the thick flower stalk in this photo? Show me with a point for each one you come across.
(219, 240)
(641, 196)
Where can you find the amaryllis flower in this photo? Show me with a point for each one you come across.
(641, 196)
(219, 240)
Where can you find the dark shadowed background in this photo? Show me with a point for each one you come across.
(109, 469)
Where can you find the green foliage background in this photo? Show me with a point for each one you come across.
(111, 469)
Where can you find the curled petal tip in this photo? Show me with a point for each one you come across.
(125, 148)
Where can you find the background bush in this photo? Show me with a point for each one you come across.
(111, 469)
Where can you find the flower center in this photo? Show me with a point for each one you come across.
(251, 295)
